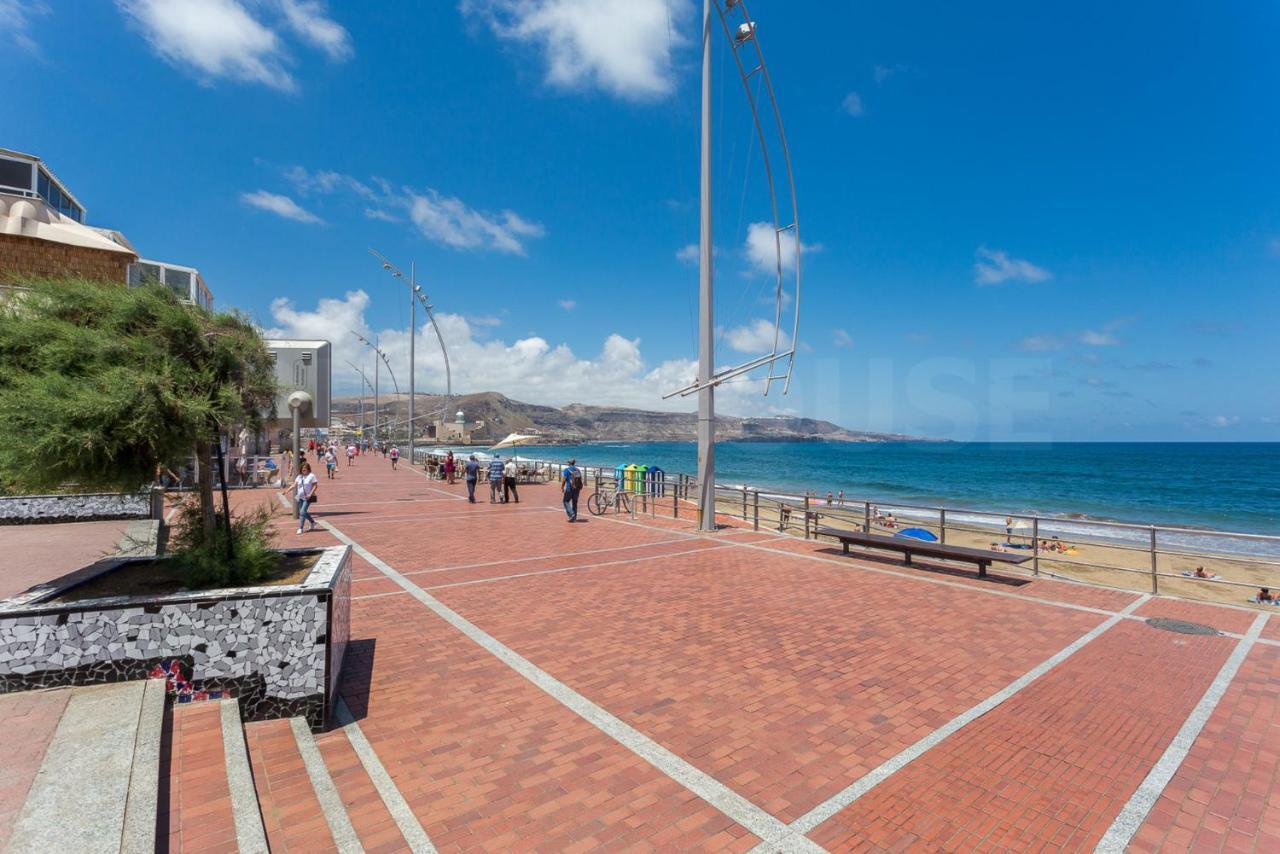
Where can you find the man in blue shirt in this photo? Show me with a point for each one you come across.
(495, 479)
(473, 471)
(571, 486)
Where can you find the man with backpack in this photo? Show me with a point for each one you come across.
(571, 486)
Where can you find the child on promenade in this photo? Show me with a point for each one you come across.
(394, 454)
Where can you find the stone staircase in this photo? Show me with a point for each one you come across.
(117, 768)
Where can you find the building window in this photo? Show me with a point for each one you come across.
(16, 174)
(178, 281)
(143, 274)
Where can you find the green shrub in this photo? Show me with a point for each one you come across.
(201, 558)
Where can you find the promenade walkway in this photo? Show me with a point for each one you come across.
(528, 684)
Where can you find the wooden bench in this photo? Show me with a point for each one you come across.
(908, 547)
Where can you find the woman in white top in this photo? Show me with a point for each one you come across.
(304, 493)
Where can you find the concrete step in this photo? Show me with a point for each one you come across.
(207, 798)
(97, 781)
(328, 792)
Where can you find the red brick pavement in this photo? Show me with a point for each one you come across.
(27, 723)
(1051, 767)
(291, 811)
(1271, 631)
(783, 681)
(784, 678)
(1226, 794)
(489, 762)
(195, 811)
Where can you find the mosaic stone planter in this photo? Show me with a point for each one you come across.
(278, 649)
(33, 509)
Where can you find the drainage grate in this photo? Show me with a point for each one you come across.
(1182, 627)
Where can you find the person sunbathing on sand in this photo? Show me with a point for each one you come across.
(1264, 597)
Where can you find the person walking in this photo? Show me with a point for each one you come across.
(304, 494)
(394, 453)
(288, 462)
(472, 471)
(450, 467)
(495, 479)
(330, 462)
(351, 454)
(509, 482)
(571, 486)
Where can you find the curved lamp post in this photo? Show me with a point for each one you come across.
(742, 40)
(383, 356)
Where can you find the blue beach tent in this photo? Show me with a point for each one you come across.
(917, 534)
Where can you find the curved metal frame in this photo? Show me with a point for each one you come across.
(386, 362)
(448, 374)
(724, 9)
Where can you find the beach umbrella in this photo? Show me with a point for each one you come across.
(917, 534)
(516, 439)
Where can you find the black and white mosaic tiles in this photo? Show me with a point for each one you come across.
(272, 647)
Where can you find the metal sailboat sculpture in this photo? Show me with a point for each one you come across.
(740, 31)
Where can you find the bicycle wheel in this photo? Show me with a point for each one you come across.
(595, 506)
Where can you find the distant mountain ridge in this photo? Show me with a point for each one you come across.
(579, 422)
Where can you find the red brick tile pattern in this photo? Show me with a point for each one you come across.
(1226, 794)
(291, 811)
(1050, 768)
(784, 680)
(199, 817)
(374, 825)
(1236, 620)
(489, 762)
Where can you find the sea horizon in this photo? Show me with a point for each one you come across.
(1216, 486)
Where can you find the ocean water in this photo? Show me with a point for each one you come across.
(1216, 486)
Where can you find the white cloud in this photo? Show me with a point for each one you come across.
(279, 205)
(15, 22)
(311, 22)
(842, 339)
(443, 219)
(568, 304)
(448, 220)
(689, 254)
(224, 38)
(995, 266)
(623, 47)
(530, 369)
(1098, 339)
(326, 182)
(1225, 420)
(762, 248)
(1040, 343)
(755, 338)
(852, 104)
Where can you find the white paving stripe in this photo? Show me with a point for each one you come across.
(575, 568)
(876, 776)
(331, 806)
(434, 517)
(550, 556)
(410, 827)
(1134, 813)
(711, 790)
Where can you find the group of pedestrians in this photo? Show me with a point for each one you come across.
(502, 475)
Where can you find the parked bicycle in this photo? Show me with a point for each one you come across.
(602, 500)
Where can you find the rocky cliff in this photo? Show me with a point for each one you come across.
(581, 423)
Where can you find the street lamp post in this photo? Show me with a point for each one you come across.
(383, 356)
(415, 294)
(364, 383)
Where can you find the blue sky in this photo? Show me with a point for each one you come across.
(1020, 223)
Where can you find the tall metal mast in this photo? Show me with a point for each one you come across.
(742, 40)
(706, 330)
